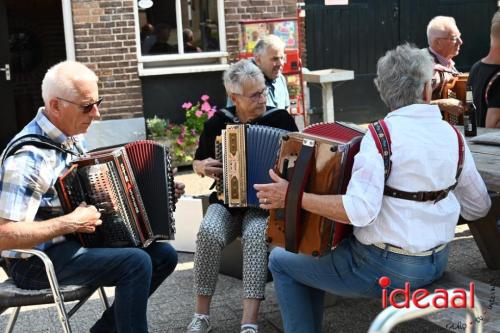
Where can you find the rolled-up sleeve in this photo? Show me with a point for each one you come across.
(471, 191)
(363, 199)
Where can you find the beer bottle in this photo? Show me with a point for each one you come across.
(470, 125)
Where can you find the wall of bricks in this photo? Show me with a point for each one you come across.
(237, 10)
(105, 41)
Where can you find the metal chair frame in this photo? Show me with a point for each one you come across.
(391, 316)
(63, 315)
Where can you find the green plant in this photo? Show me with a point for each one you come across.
(183, 138)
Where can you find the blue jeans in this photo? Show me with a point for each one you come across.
(135, 272)
(351, 270)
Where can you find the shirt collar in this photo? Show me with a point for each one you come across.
(417, 111)
(449, 63)
(54, 133)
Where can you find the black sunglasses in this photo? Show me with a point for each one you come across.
(85, 107)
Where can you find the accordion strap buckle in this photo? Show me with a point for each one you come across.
(308, 142)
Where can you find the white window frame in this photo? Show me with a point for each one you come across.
(168, 63)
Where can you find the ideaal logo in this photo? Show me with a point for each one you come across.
(442, 298)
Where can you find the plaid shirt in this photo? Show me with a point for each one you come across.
(27, 178)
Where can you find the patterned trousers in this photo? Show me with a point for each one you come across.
(218, 229)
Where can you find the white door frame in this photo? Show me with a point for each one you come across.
(68, 29)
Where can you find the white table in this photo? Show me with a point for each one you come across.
(326, 77)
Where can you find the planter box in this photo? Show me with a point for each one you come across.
(188, 216)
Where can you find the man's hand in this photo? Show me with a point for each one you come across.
(272, 196)
(179, 189)
(83, 219)
(450, 105)
(208, 167)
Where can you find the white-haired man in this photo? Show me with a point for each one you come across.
(30, 213)
(485, 82)
(269, 56)
(444, 40)
(246, 87)
(398, 234)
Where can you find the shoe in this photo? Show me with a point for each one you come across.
(248, 330)
(199, 325)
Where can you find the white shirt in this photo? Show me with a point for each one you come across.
(424, 158)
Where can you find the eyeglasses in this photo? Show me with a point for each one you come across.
(256, 96)
(453, 38)
(85, 107)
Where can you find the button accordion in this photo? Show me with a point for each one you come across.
(319, 160)
(457, 89)
(247, 152)
(133, 185)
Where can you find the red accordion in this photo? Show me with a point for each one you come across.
(319, 160)
(133, 185)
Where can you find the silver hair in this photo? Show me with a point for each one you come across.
(402, 74)
(437, 26)
(60, 80)
(266, 42)
(239, 73)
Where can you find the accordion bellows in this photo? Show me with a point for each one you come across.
(132, 186)
(247, 152)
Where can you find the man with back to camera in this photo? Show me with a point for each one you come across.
(31, 217)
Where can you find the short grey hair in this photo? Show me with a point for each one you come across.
(437, 26)
(266, 42)
(402, 74)
(239, 73)
(60, 80)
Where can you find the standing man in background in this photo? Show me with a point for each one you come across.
(269, 56)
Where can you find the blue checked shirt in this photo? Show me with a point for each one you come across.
(27, 178)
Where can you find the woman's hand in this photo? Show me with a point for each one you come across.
(272, 196)
(208, 167)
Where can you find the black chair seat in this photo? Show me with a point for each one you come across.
(12, 296)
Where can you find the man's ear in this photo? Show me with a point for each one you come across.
(257, 59)
(55, 106)
(233, 97)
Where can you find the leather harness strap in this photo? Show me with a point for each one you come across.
(293, 205)
(382, 138)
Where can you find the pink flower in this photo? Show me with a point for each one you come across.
(199, 113)
(206, 107)
(193, 132)
(180, 140)
(211, 113)
(205, 98)
(187, 105)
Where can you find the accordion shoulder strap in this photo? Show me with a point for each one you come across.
(488, 86)
(382, 138)
(293, 211)
(36, 140)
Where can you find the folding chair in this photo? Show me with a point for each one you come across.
(12, 296)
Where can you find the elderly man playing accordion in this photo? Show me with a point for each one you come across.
(31, 216)
(245, 85)
(396, 237)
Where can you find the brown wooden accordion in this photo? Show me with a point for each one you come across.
(456, 89)
(247, 152)
(133, 185)
(319, 160)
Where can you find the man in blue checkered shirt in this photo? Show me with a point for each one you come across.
(70, 94)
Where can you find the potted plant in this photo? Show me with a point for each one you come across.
(182, 139)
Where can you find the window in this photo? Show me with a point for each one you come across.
(176, 36)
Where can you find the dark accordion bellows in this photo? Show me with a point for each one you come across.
(132, 186)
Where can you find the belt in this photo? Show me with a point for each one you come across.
(398, 250)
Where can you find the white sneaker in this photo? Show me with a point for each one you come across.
(199, 324)
(248, 330)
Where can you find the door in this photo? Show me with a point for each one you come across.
(8, 124)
